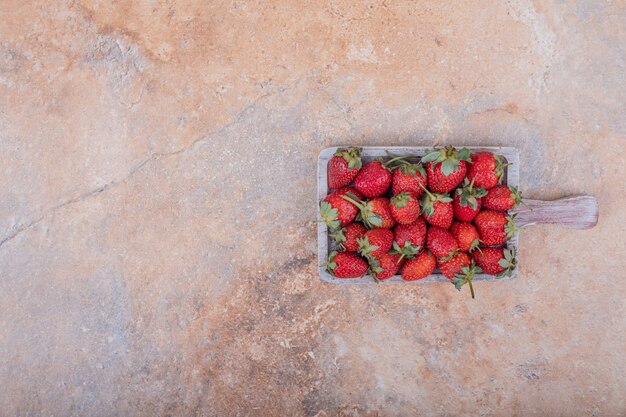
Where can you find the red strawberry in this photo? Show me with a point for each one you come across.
(385, 266)
(466, 235)
(437, 209)
(465, 276)
(346, 237)
(452, 266)
(409, 177)
(414, 233)
(486, 169)
(336, 211)
(346, 265)
(409, 239)
(374, 213)
(502, 198)
(446, 168)
(405, 208)
(373, 179)
(422, 266)
(375, 242)
(496, 261)
(467, 201)
(441, 242)
(494, 227)
(343, 167)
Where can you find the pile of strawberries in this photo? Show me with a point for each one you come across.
(410, 216)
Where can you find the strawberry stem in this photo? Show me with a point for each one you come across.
(427, 192)
(356, 203)
(469, 282)
(397, 158)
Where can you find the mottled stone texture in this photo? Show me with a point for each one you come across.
(157, 207)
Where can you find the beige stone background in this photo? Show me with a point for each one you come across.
(157, 207)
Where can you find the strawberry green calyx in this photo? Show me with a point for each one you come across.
(466, 276)
(516, 195)
(331, 265)
(369, 218)
(510, 227)
(329, 215)
(339, 237)
(468, 194)
(429, 199)
(375, 267)
(401, 199)
(475, 245)
(508, 263)
(413, 169)
(365, 247)
(408, 250)
(500, 165)
(351, 155)
(448, 157)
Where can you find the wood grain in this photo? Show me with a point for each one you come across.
(580, 212)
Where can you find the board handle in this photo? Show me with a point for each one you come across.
(579, 212)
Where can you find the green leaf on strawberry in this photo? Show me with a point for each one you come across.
(351, 155)
(408, 250)
(468, 194)
(329, 215)
(448, 157)
(331, 265)
(509, 262)
(466, 276)
(510, 227)
(365, 247)
(401, 199)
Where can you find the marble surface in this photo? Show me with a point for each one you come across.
(157, 207)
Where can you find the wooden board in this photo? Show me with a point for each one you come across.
(326, 244)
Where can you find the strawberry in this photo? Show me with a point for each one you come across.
(409, 177)
(422, 266)
(374, 213)
(346, 265)
(502, 198)
(335, 211)
(446, 168)
(437, 209)
(343, 167)
(375, 242)
(414, 233)
(465, 276)
(496, 261)
(409, 238)
(466, 235)
(346, 237)
(441, 242)
(486, 169)
(494, 227)
(405, 208)
(452, 265)
(467, 201)
(373, 179)
(384, 266)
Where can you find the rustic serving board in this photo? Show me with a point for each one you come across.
(575, 212)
